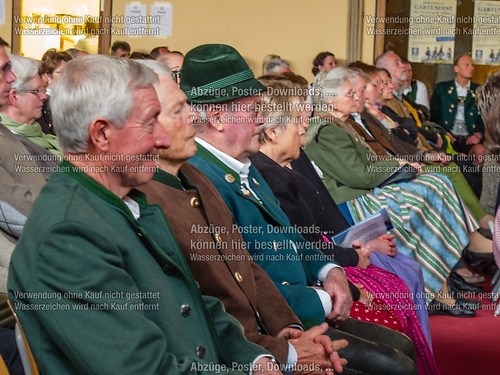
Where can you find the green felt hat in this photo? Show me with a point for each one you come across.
(216, 73)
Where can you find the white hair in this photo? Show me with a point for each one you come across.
(95, 86)
(25, 69)
(329, 84)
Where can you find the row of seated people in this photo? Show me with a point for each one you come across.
(444, 109)
(402, 121)
(361, 352)
(252, 191)
(50, 69)
(451, 119)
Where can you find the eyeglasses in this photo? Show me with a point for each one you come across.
(37, 92)
(176, 75)
(350, 94)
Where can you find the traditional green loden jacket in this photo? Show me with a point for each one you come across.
(99, 292)
(444, 103)
(349, 169)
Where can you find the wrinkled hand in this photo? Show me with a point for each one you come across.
(384, 245)
(288, 333)
(317, 351)
(364, 253)
(264, 366)
(337, 362)
(337, 287)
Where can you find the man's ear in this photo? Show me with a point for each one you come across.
(214, 114)
(99, 134)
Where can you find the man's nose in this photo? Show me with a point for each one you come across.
(161, 137)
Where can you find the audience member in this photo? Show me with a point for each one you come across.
(158, 51)
(274, 64)
(25, 104)
(89, 217)
(76, 53)
(227, 135)
(324, 61)
(120, 48)
(140, 56)
(414, 90)
(365, 126)
(454, 108)
(52, 66)
(174, 61)
(396, 107)
(17, 192)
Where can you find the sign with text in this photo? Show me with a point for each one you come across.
(431, 33)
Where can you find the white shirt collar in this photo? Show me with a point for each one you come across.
(357, 117)
(467, 86)
(241, 168)
(133, 207)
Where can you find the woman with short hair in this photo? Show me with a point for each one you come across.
(26, 98)
(53, 63)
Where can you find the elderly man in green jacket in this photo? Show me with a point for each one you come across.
(97, 280)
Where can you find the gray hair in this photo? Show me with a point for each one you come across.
(487, 93)
(158, 67)
(355, 73)
(92, 87)
(381, 61)
(273, 63)
(329, 84)
(25, 69)
(279, 103)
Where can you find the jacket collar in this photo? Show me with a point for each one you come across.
(206, 154)
(179, 182)
(99, 190)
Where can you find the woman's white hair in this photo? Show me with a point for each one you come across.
(25, 69)
(160, 68)
(95, 86)
(329, 84)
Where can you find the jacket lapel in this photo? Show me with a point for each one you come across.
(266, 202)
